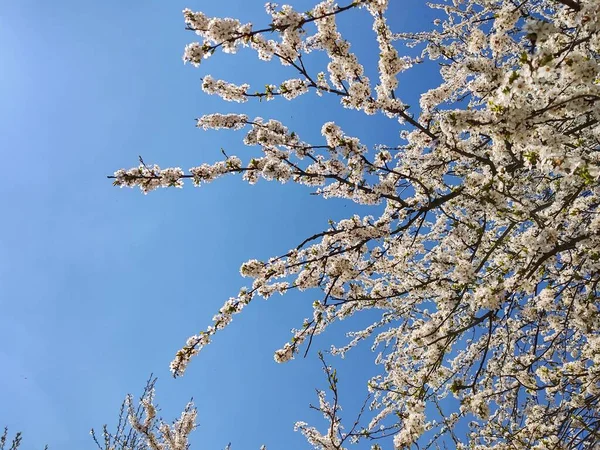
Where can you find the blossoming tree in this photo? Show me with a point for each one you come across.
(485, 262)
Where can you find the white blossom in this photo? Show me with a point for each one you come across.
(480, 263)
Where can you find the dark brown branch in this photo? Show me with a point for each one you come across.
(571, 4)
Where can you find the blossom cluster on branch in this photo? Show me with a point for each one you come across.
(485, 261)
(140, 428)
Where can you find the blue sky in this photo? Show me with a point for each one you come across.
(100, 286)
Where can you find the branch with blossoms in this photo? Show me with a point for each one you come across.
(336, 437)
(482, 259)
(138, 427)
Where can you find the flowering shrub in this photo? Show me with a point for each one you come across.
(485, 261)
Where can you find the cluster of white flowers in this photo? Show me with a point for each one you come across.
(291, 89)
(221, 32)
(195, 52)
(227, 91)
(157, 434)
(413, 425)
(149, 178)
(484, 254)
(208, 172)
(217, 121)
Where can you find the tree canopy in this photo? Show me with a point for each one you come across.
(483, 260)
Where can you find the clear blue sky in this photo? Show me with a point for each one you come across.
(100, 286)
